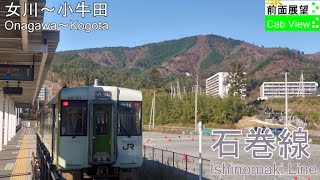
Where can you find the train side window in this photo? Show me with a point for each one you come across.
(74, 118)
(129, 118)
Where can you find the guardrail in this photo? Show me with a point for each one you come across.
(188, 164)
(42, 167)
(168, 129)
(181, 130)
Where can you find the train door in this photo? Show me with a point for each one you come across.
(102, 139)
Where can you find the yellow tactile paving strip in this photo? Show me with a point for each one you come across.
(20, 168)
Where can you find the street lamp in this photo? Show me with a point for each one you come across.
(196, 106)
(286, 101)
(199, 126)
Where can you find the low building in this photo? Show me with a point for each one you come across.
(278, 89)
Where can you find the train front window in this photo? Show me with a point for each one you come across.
(129, 118)
(74, 118)
(102, 123)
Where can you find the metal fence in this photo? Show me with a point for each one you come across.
(42, 167)
(171, 130)
(18, 128)
(188, 164)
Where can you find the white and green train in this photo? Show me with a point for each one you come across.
(94, 127)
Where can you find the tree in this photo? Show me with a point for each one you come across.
(236, 79)
(86, 83)
(154, 77)
(315, 77)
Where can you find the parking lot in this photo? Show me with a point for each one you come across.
(189, 144)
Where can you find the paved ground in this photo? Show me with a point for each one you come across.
(187, 144)
(15, 157)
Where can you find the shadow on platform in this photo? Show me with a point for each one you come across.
(13, 159)
(14, 175)
(16, 149)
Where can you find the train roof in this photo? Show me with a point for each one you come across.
(89, 93)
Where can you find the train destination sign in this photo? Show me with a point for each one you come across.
(12, 90)
(103, 94)
(10, 72)
(23, 105)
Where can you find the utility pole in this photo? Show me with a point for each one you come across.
(151, 114)
(200, 126)
(196, 106)
(154, 108)
(301, 86)
(286, 80)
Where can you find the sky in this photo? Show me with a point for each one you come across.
(139, 22)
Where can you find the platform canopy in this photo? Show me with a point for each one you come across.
(21, 47)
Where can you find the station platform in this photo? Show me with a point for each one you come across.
(15, 157)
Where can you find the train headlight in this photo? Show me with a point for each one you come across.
(65, 103)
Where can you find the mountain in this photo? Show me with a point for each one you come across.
(159, 64)
(315, 56)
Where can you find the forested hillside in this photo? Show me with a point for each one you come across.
(158, 65)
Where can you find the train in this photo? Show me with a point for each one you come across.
(93, 130)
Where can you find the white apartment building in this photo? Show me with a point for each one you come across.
(216, 85)
(278, 89)
(42, 93)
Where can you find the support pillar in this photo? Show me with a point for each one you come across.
(1, 119)
(14, 119)
(18, 114)
(6, 121)
(13, 132)
(10, 120)
(17, 118)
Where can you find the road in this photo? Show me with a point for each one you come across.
(189, 145)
